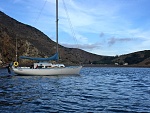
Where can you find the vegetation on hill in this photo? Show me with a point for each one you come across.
(140, 58)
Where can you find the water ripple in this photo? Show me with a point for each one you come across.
(95, 90)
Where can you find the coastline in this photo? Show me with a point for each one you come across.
(106, 65)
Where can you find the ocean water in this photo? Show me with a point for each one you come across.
(95, 90)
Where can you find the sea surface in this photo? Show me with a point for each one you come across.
(95, 90)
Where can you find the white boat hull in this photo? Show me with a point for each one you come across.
(71, 70)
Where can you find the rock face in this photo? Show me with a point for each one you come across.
(34, 43)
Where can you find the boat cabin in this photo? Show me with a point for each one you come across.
(47, 65)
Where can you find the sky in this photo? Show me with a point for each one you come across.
(103, 27)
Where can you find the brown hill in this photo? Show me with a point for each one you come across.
(32, 42)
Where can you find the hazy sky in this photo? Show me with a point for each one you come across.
(104, 27)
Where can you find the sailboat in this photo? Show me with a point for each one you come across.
(43, 67)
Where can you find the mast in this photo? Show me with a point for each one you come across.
(16, 48)
(57, 26)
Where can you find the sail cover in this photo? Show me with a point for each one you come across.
(54, 57)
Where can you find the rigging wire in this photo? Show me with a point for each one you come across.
(72, 30)
(41, 10)
(71, 26)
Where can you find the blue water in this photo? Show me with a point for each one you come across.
(98, 90)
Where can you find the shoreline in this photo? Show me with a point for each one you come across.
(99, 65)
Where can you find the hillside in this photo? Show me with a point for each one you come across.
(140, 58)
(34, 43)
